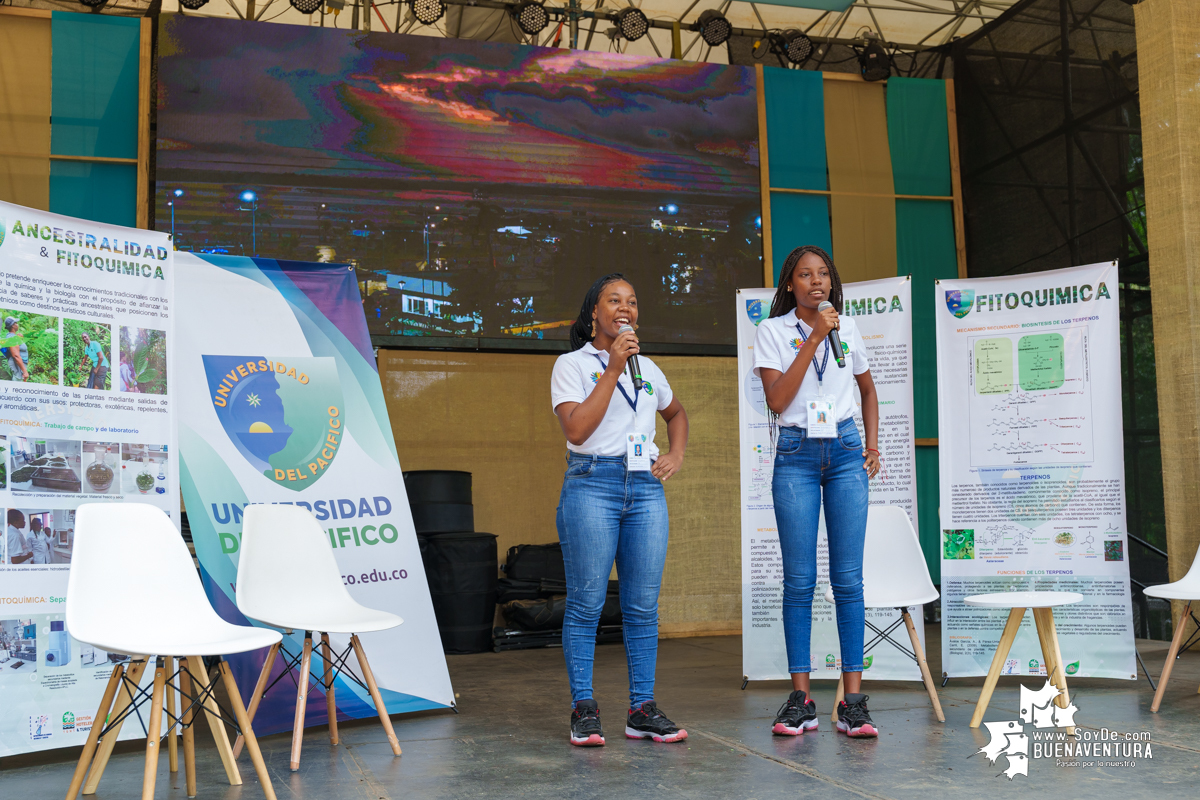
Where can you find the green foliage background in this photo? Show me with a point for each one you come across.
(147, 349)
(74, 372)
(41, 336)
(959, 544)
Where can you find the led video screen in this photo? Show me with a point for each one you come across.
(478, 189)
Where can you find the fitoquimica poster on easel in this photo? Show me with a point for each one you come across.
(85, 417)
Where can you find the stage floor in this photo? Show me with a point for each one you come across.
(510, 741)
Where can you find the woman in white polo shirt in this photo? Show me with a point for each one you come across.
(819, 454)
(612, 505)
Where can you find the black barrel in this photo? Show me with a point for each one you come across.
(435, 518)
(438, 486)
(461, 569)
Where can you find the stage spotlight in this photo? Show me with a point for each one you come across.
(306, 6)
(428, 12)
(873, 61)
(190, 5)
(248, 196)
(632, 23)
(98, 3)
(178, 192)
(714, 28)
(531, 17)
(794, 46)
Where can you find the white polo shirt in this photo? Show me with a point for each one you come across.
(775, 347)
(573, 380)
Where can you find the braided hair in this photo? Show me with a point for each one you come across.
(581, 329)
(784, 300)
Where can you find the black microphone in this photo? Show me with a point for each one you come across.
(635, 372)
(834, 340)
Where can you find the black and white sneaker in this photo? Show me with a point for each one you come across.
(853, 718)
(647, 722)
(797, 715)
(585, 725)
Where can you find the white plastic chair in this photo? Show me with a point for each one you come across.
(1186, 589)
(288, 578)
(895, 575)
(133, 588)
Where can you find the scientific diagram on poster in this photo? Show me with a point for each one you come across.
(1031, 398)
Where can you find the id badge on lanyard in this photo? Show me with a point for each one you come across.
(822, 424)
(637, 445)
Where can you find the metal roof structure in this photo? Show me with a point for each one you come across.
(902, 25)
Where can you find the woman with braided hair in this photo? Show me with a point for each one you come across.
(612, 506)
(819, 458)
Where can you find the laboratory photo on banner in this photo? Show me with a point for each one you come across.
(18, 648)
(86, 354)
(41, 466)
(39, 536)
(143, 469)
(99, 471)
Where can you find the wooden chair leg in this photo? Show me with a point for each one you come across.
(330, 701)
(259, 689)
(213, 713)
(926, 676)
(1002, 650)
(243, 720)
(1060, 675)
(380, 708)
(124, 699)
(1043, 632)
(172, 741)
(1172, 653)
(154, 731)
(301, 701)
(189, 731)
(89, 748)
(839, 697)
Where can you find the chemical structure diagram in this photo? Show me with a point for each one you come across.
(1090, 541)
(1005, 535)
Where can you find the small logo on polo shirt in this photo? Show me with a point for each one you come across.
(595, 376)
(796, 344)
(649, 389)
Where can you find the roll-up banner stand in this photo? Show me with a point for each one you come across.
(281, 403)
(86, 416)
(882, 310)
(1032, 466)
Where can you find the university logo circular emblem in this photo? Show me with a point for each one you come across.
(285, 416)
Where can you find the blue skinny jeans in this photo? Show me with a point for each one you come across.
(806, 469)
(608, 514)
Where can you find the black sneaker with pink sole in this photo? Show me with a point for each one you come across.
(585, 725)
(853, 718)
(797, 715)
(647, 722)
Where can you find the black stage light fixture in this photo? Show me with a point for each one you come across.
(794, 46)
(303, 6)
(874, 62)
(428, 12)
(531, 16)
(714, 29)
(632, 23)
(193, 5)
(99, 3)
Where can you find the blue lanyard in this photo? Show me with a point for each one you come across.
(633, 402)
(824, 361)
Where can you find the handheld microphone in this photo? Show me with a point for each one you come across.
(635, 371)
(834, 340)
